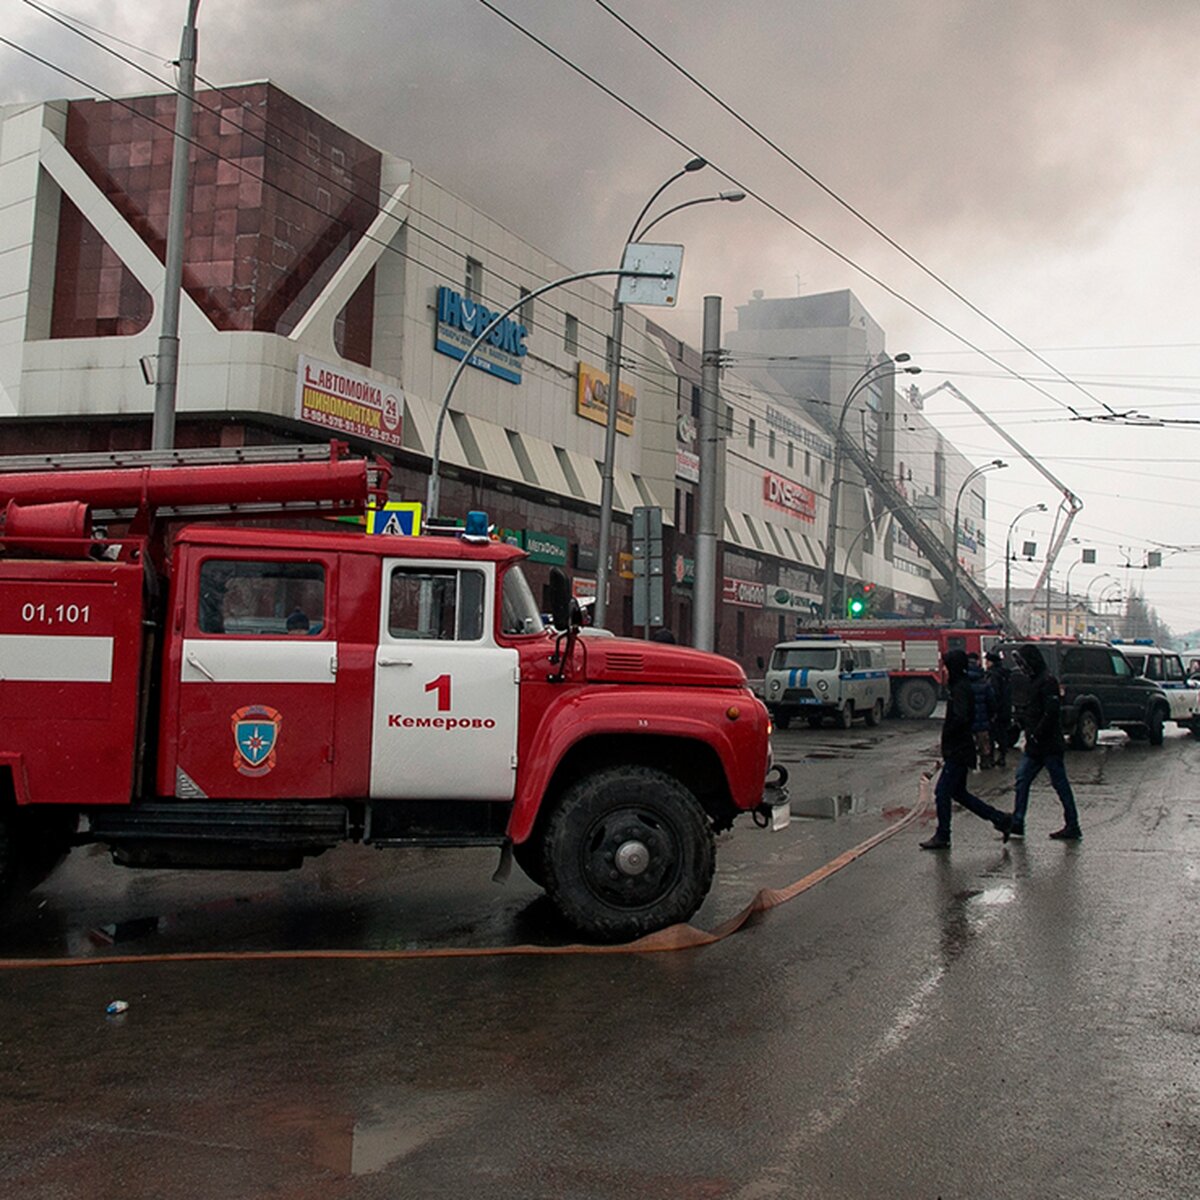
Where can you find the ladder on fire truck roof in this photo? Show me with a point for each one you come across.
(201, 456)
(238, 497)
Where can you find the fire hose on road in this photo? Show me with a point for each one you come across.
(676, 937)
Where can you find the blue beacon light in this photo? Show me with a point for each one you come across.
(476, 529)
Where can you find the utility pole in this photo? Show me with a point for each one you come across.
(163, 432)
(708, 491)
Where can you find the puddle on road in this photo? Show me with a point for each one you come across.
(829, 807)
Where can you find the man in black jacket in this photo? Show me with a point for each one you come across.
(958, 755)
(1000, 677)
(1038, 706)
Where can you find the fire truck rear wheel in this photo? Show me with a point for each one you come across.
(628, 850)
(916, 699)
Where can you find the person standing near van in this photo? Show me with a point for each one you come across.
(1039, 710)
(958, 757)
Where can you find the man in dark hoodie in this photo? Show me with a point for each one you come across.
(1038, 706)
(958, 755)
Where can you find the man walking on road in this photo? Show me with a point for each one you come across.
(1038, 707)
(958, 755)
(1000, 677)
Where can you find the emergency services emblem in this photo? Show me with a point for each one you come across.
(255, 732)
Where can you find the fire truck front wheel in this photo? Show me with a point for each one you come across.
(628, 850)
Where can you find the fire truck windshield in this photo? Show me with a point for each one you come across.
(518, 612)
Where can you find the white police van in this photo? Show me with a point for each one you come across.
(1165, 668)
(824, 676)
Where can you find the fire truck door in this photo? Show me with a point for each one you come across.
(256, 695)
(445, 704)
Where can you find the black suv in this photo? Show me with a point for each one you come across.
(1099, 690)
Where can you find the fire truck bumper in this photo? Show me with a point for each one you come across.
(774, 812)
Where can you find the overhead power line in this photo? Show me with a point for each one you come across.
(844, 203)
(770, 206)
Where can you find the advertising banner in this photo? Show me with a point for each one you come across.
(745, 592)
(592, 399)
(792, 498)
(786, 599)
(546, 548)
(687, 466)
(460, 321)
(337, 399)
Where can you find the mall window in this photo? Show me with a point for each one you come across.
(473, 282)
(750, 432)
(771, 444)
(526, 310)
(571, 334)
(791, 455)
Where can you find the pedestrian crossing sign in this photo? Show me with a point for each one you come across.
(397, 518)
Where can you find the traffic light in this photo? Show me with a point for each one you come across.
(858, 604)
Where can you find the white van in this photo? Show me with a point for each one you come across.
(1165, 668)
(820, 677)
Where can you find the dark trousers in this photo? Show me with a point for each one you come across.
(951, 787)
(1028, 770)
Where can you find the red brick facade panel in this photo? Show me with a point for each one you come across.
(278, 197)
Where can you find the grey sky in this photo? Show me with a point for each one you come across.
(1042, 158)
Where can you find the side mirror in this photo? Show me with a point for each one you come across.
(562, 603)
(848, 664)
(760, 662)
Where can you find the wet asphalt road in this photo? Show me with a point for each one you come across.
(999, 1021)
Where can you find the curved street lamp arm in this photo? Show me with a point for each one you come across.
(730, 196)
(695, 164)
(433, 490)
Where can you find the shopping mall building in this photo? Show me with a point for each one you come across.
(330, 291)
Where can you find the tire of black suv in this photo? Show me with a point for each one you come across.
(1087, 730)
(1154, 727)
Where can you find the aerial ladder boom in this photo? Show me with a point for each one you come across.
(1069, 505)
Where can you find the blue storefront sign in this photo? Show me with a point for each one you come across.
(460, 321)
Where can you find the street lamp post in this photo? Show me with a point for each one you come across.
(996, 464)
(1072, 567)
(162, 432)
(1087, 591)
(600, 611)
(869, 376)
(1008, 555)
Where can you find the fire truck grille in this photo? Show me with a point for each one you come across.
(624, 660)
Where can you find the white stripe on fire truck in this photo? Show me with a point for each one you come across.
(40, 658)
(252, 660)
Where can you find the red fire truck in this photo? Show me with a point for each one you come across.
(914, 654)
(219, 695)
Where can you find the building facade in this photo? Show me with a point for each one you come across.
(330, 290)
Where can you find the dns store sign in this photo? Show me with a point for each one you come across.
(792, 497)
